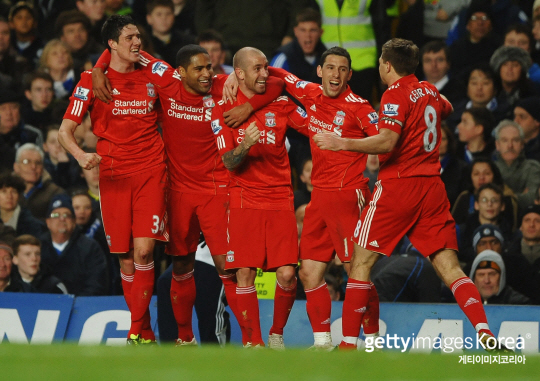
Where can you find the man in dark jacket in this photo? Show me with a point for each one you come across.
(489, 276)
(77, 260)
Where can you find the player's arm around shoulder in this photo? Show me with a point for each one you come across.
(297, 117)
(293, 85)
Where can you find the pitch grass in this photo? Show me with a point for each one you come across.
(71, 362)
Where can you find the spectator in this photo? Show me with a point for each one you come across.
(23, 21)
(523, 256)
(303, 194)
(11, 213)
(535, 45)
(13, 131)
(520, 36)
(302, 55)
(511, 64)
(7, 233)
(73, 29)
(434, 57)
(474, 133)
(12, 65)
(489, 275)
(479, 44)
(484, 171)
(165, 40)
(6, 263)
(527, 115)
(40, 189)
(520, 174)
(489, 206)
(214, 45)
(482, 88)
(63, 168)
(28, 274)
(77, 260)
(88, 220)
(372, 170)
(95, 11)
(453, 169)
(39, 93)
(333, 287)
(117, 7)
(58, 62)
(487, 237)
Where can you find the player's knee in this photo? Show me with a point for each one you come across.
(286, 276)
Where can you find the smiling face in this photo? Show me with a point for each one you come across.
(253, 73)
(128, 45)
(335, 74)
(197, 78)
(27, 260)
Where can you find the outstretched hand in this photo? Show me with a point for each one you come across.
(101, 86)
(328, 141)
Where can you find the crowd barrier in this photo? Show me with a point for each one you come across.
(44, 319)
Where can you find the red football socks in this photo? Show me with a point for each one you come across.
(183, 295)
(283, 302)
(371, 317)
(127, 282)
(229, 283)
(248, 306)
(142, 289)
(354, 308)
(319, 308)
(469, 300)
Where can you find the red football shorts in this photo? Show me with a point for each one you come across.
(414, 206)
(265, 239)
(189, 214)
(329, 223)
(134, 207)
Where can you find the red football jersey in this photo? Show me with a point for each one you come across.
(263, 179)
(414, 110)
(128, 139)
(193, 161)
(348, 116)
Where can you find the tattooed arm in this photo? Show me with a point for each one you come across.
(233, 158)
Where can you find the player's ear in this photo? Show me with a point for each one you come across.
(239, 73)
(350, 75)
(319, 71)
(112, 44)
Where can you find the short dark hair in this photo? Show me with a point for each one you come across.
(484, 117)
(521, 29)
(308, 14)
(209, 35)
(12, 181)
(112, 29)
(436, 46)
(494, 187)
(402, 54)
(183, 57)
(151, 5)
(450, 137)
(488, 72)
(38, 74)
(71, 17)
(25, 239)
(336, 51)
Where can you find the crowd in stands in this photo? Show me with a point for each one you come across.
(483, 55)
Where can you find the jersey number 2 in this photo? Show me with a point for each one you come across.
(430, 136)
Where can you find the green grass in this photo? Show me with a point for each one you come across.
(72, 362)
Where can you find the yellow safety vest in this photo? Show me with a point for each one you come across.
(350, 28)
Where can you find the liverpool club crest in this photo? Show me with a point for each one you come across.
(339, 118)
(208, 101)
(151, 91)
(270, 119)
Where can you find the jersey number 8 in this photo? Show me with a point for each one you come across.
(430, 136)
